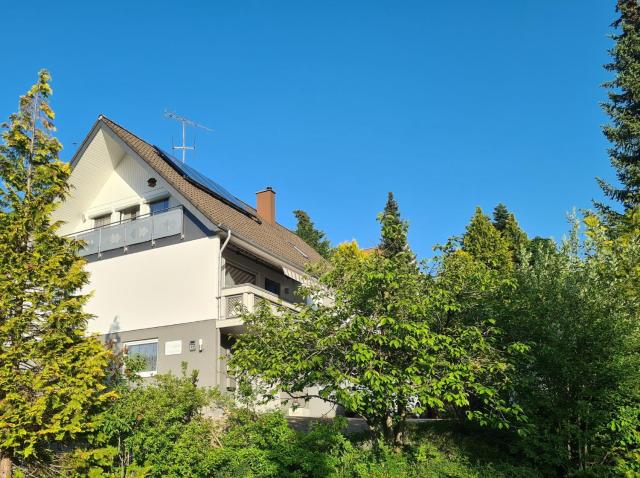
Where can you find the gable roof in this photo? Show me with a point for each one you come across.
(243, 222)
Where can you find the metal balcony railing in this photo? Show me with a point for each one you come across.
(144, 228)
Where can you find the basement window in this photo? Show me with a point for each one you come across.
(147, 352)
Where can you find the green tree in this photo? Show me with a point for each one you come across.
(484, 242)
(623, 109)
(505, 222)
(578, 309)
(51, 373)
(394, 229)
(514, 235)
(373, 342)
(152, 430)
(306, 230)
(500, 217)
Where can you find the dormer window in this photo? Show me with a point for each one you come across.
(102, 220)
(159, 205)
(129, 214)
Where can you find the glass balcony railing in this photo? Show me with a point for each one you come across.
(145, 228)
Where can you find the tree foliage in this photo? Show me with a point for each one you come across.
(500, 217)
(51, 374)
(577, 309)
(306, 230)
(394, 229)
(378, 344)
(486, 243)
(623, 109)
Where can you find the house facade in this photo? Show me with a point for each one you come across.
(172, 255)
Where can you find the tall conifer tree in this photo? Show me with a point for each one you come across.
(306, 230)
(51, 373)
(484, 242)
(623, 108)
(500, 216)
(394, 229)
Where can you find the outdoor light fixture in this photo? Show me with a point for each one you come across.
(152, 182)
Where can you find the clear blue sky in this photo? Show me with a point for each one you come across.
(333, 103)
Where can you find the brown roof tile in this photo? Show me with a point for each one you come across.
(275, 239)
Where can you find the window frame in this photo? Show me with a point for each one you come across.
(128, 210)
(164, 200)
(106, 215)
(143, 373)
(274, 282)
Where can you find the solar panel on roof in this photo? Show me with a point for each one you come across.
(207, 183)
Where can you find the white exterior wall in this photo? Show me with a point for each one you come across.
(165, 286)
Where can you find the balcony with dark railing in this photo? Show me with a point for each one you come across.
(121, 235)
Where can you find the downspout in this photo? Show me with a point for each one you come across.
(220, 279)
(220, 276)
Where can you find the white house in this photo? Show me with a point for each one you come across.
(171, 254)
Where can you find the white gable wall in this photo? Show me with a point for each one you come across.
(161, 286)
(98, 161)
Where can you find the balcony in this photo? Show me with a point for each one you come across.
(121, 235)
(247, 297)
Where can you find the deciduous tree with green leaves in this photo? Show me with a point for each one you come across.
(374, 342)
(306, 230)
(578, 307)
(51, 373)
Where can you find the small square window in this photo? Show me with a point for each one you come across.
(102, 220)
(147, 350)
(159, 205)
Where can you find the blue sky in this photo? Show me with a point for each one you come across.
(451, 105)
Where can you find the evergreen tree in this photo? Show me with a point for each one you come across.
(515, 236)
(505, 222)
(51, 373)
(306, 230)
(484, 242)
(623, 108)
(394, 229)
(500, 217)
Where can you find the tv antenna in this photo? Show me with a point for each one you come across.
(185, 122)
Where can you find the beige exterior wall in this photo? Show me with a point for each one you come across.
(165, 286)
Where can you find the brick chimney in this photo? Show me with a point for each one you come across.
(266, 205)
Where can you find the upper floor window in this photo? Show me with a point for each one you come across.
(130, 213)
(102, 220)
(159, 205)
(272, 286)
